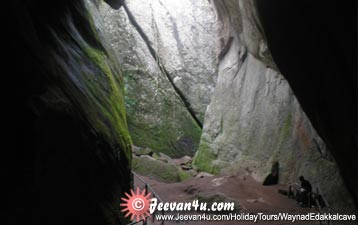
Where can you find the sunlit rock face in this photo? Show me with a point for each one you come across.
(184, 37)
(254, 120)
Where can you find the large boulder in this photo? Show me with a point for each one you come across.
(166, 172)
(170, 69)
(254, 119)
(321, 67)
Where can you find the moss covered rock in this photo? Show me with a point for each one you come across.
(73, 148)
(168, 88)
(165, 172)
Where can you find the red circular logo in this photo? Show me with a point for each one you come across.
(136, 205)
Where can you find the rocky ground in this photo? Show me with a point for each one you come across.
(249, 196)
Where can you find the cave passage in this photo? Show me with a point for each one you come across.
(200, 99)
(251, 119)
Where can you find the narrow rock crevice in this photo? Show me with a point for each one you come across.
(161, 66)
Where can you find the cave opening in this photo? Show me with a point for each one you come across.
(169, 59)
(200, 99)
(251, 119)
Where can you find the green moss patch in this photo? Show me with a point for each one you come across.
(165, 172)
(104, 86)
(156, 117)
(184, 175)
(204, 158)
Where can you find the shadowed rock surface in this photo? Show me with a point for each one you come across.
(315, 46)
(69, 155)
(254, 119)
(200, 78)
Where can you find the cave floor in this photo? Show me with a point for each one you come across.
(248, 193)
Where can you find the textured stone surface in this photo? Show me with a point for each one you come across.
(187, 46)
(254, 119)
(163, 171)
(324, 79)
(185, 41)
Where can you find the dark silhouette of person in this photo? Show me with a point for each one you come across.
(272, 178)
(302, 195)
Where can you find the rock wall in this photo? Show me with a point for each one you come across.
(170, 69)
(186, 58)
(318, 58)
(254, 120)
(70, 151)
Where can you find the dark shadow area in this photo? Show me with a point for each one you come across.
(314, 45)
(57, 168)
